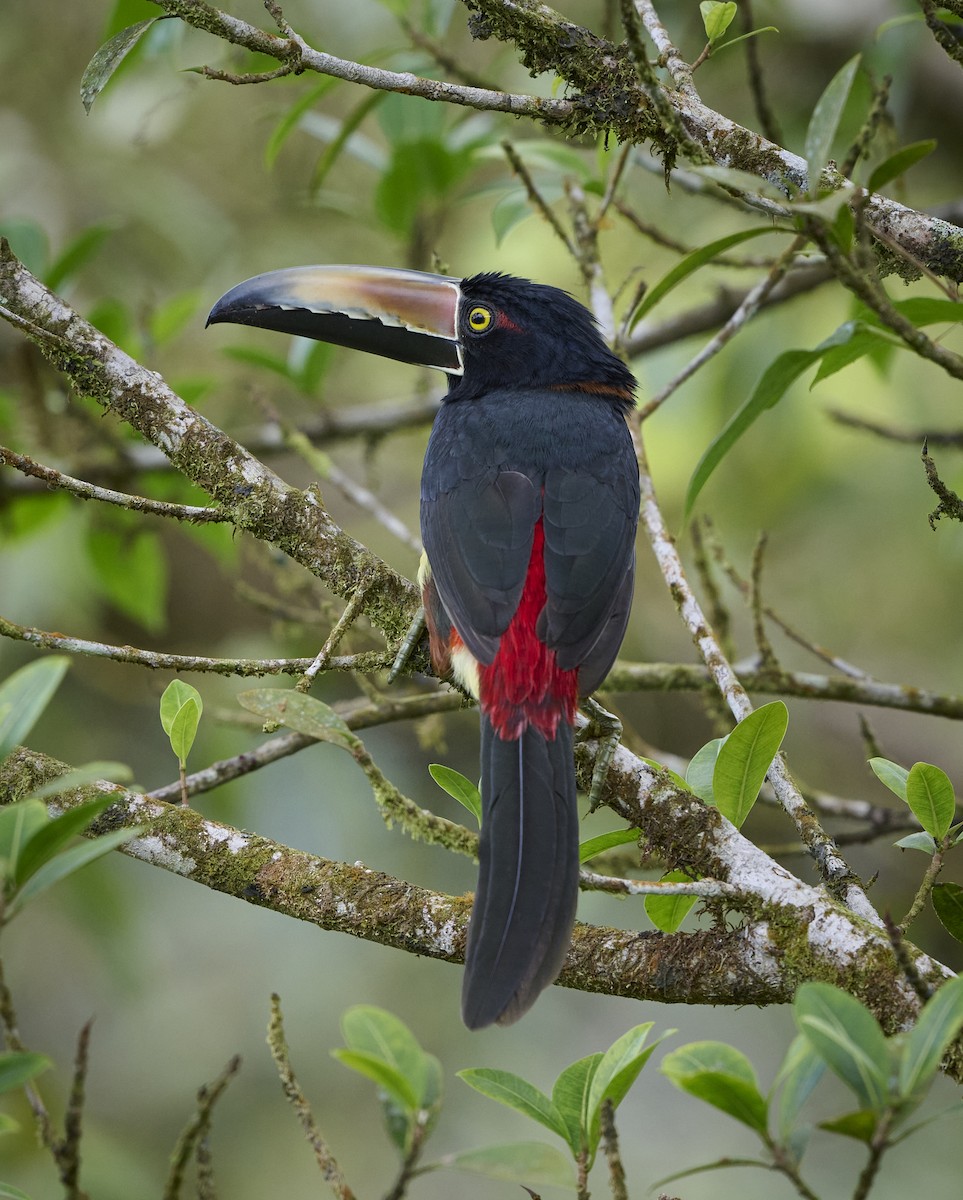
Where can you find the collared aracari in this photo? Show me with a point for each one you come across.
(529, 507)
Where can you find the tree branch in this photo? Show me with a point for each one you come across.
(249, 494)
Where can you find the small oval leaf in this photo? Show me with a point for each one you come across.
(847, 1037)
(592, 847)
(668, 912)
(525, 1163)
(458, 787)
(517, 1093)
(24, 696)
(824, 122)
(892, 775)
(745, 758)
(931, 798)
(900, 162)
(183, 729)
(108, 58)
(285, 706)
(927, 1042)
(722, 1076)
(948, 903)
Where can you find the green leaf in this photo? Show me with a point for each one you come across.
(347, 128)
(801, 1070)
(948, 903)
(917, 841)
(19, 1067)
(108, 58)
(594, 846)
(170, 318)
(745, 758)
(55, 833)
(184, 729)
(525, 1163)
(512, 209)
(570, 1096)
(259, 358)
(847, 1037)
(517, 1093)
(698, 776)
(29, 242)
(7, 1190)
(291, 119)
(71, 861)
(616, 1072)
(668, 912)
(744, 37)
(692, 262)
(926, 1043)
(856, 340)
(931, 798)
(309, 362)
(382, 1073)
(663, 769)
(458, 787)
(900, 162)
(824, 122)
(130, 569)
(299, 712)
(716, 17)
(176, 695)
(18, 824)
(77, 252)
(892, 775)
(382, 1036)
(24, 696)
(770, 389)
(720, 1075)
(928, 310)
(859, 1125)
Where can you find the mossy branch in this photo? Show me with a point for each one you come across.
(250, 495)
(789, 931)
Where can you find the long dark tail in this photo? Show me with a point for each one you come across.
(521, 924)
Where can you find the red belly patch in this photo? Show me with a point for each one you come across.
(524, 685)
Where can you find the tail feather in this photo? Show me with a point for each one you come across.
(524, 909)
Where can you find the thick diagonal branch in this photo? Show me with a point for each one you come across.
(247, 492)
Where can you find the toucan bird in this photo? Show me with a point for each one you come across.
(529, 508)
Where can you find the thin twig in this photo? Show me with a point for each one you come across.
(535, 197)
(69, 1156)
(891, 433)
(88, 491)
(355, 716)
(610, 1143)
(330, 1170)
(344, 623)
(196, 1128)
(768, 121)
(832, 866)
(158, 660)
(745, 589)
(751, 304)
(591, 882)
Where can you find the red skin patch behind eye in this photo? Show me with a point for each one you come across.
(523, 685)
(503, 322)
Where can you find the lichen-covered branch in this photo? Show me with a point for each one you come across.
(247, 491)
(607, 95)
(791, 931)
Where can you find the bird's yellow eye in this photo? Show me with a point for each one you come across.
(479, 319)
